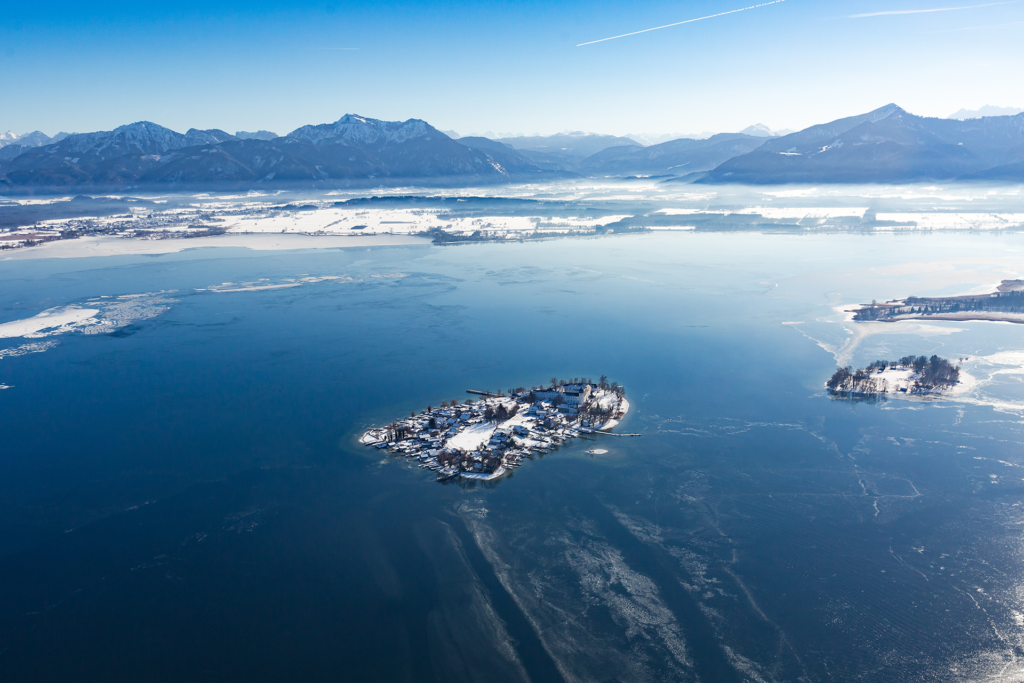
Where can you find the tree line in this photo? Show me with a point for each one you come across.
(931, 373)
(1005, 302)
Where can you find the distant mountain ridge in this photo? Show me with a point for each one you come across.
(759, 130)
(352, 128)
(887, 145)
(987, 110)
(675, 157)
(33, 139)
(575, 144)
(354, 148)
(12, 144)
(258, 135)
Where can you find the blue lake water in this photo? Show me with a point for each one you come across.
(183, 498)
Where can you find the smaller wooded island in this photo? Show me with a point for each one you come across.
(487, 438)
(908, 375)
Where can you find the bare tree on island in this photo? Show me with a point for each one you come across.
(929, 374)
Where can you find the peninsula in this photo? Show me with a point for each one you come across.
(485, 439)
(1006, 304)
(909, 375)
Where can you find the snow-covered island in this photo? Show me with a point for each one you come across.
(486, 438)
(909, 375)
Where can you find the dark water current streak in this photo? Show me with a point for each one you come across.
(537, 661)
(710, 662)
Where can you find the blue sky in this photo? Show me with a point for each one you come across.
(499, 66)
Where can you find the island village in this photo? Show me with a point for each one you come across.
(485, 439)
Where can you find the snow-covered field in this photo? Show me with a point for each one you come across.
(802, 213)
(472, 437)
(338, 222)
(951, 221)
(579, 207)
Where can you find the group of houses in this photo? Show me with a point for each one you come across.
(487, 438)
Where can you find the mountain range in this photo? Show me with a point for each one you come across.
(887, 145)
(987, 110)
(353, 148)
(12, 144)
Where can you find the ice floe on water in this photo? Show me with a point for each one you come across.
(33, 347)
(124, 310)
(106, 314)
(96, 316)
(264, 283)
(55, 320)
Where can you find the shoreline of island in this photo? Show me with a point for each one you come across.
(486, 439)
(908, 377)
(1004, 305)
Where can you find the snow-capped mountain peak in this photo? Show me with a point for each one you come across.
(758, 130)
(362, 130)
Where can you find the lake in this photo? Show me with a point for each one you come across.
(183, 496)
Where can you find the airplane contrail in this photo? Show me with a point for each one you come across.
(680, 23)
(925, 11)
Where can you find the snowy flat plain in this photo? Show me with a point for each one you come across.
(156, 224)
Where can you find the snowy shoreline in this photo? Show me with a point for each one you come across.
(899, 383)
(487, 439)
(979, 314)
